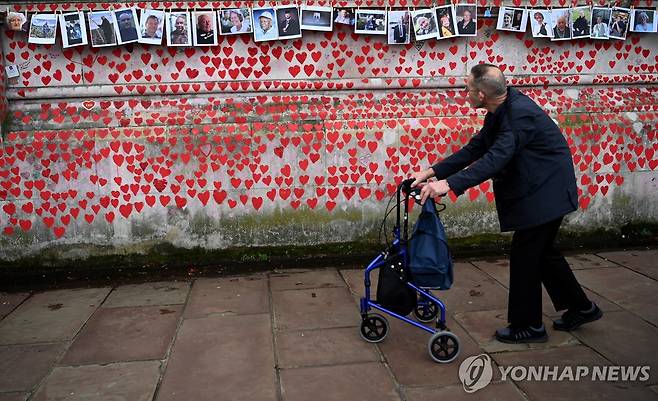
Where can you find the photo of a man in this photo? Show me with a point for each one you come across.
(580, 22)
(288, 21)
(178, 32)
(126, 25)
(152, 26)
(425, 24)
(399, 27)
(205, 30)
(600, 21)
(101, 27)
(42, 29)
(561, 30)
(619, 23)
(73, 29)
(266, 26)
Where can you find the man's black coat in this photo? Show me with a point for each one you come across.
(527, 157)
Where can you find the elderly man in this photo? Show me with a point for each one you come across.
(127, 29)
(205, 32)
(179, 34)
(151, 28)
(265, 30)
(561, 30)
(523, 150)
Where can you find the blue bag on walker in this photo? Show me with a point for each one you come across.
(430, 261)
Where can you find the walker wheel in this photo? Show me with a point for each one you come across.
(443, 347)
(374, 328)
(426, 312)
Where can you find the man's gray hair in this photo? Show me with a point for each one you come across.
(489, 79)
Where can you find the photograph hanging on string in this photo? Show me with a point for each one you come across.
(151, 26)
(561, 29)
(541, 23)
(43, 29)
(619, 21)
(424, 23)
(235, 21)
(512, 19)
(16, 21)
(101, 28)
(265, 27)
(127, 25)
(581, 20)
(643, 20)
(600, 23)
(178, 29)
(399, 26)
(344, 16)
(370, 22)
(204, 28)
(73, 29)
(445, 18)
(316, 18)
(288, 22)
(466, 17)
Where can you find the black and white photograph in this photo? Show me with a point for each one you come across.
(16, 21)
(466, 17)
(204, 28)
(643, 20)
(235, 21)
(399, 27)
(619, 21)
(344, 16)
(445, 18)
(561, 28)
(43, 29)
(512, 19)
(73, 29)
(101, 28)
(127, 25)
(541, 23)
(424, 23)
(152, 27)
(287, 19)
(581, 20)
(371, 22)
(317, 18)
(179, 32)
(600, 23)
(265, 26)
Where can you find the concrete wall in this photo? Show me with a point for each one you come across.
(117, 150)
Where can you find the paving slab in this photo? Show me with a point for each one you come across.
(642, 261)
(492, 392)
(229, 296)
(312, 279)
(354, 279)
(129, 381)
(14, 396)
(125, 334)
(624, 339)
(626, 288)
(323, 347)
(162, 293)
(314, 309)
(472, 290)
(584, 389)
(363, 382)
(9, 301)
(588, 261)
(22, 367)
(51, 316)
(481, 326)
(221, 358)
(405, 348)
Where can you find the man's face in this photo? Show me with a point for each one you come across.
(287, 14)
(475, 98)
(599, 19)
(265, 23)
(467, 16)
(205, 23)
(124, 20)
(343, 13)
(180, 24)
(561, 23)
(151, 26)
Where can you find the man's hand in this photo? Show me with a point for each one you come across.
(433, 189)
(420, 176)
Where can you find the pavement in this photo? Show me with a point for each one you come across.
(293, 335)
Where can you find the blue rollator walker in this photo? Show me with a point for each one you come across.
(443, 346)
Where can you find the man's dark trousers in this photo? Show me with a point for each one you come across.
(535, 260)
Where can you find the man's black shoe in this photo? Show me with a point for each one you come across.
(513, 335)
(572, 319)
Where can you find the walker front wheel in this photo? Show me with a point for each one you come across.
(374, 328)
(426, 312)
(443, 347)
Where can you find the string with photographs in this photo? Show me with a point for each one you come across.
(102, 28)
